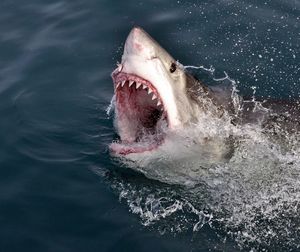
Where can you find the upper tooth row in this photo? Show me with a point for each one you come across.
(138, 84)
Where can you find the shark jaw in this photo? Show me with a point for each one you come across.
(140, 117)
(150, 95)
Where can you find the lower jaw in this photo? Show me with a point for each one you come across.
(133, 148)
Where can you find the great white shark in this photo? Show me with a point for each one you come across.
(154, 95)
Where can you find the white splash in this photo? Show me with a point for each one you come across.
(254, 195)
(111, 106)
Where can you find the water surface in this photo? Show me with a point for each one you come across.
(59, 188)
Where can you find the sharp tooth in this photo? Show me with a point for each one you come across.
(154, 97)
(158, 103)
(118, 85)
(138, 84)
(144, 86)
(123, 83)
(130, 83)
(149, 91)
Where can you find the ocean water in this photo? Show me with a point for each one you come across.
(60, 190)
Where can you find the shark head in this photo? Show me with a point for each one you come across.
(152, 95)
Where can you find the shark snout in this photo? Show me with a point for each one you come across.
(139, 43)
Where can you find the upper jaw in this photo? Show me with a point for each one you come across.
(120, 78)
(155, 73)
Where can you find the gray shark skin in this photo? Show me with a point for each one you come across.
(155, 95)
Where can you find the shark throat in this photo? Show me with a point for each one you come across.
(140, 117)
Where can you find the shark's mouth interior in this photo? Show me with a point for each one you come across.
(140, 118)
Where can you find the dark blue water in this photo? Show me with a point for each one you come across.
(59, 188)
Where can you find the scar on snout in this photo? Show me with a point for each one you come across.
(138, 46)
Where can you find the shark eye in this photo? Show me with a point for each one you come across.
(173, 67)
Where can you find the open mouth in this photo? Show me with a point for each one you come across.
(140, 117)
